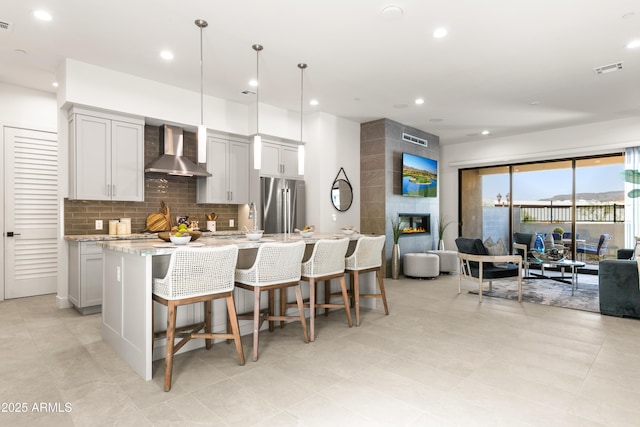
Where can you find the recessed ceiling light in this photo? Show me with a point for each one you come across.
(42, 15)
(166, 55)
(436, 120)
(400, 106)
(253, 83)
(629, 15)
(486, 132)
(633, 44)
(419, 101)
(20, 51)
(313, 102)
(440, 33)
(54, 84)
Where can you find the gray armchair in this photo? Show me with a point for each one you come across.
(477, 265)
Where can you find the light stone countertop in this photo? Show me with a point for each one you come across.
(139, 236)
(151, 246)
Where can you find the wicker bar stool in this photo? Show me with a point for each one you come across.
(197, 275)
(326, 263)
(277, 266)
(366, 257)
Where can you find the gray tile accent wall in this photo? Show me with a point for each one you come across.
(381, 148)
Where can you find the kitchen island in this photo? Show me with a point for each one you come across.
(129, 269)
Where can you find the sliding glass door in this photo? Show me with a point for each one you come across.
(577, 203)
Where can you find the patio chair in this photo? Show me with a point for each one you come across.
(598, 250)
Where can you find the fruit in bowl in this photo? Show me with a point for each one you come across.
(180, 231)
(307, 231)
(254, 235)
(180, 240)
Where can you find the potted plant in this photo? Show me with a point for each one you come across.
(396, 227)
(442, 226)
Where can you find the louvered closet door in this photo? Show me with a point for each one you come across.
(31, 212)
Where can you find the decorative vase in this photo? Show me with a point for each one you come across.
(539, 244)
(395, 262)
(441, 245)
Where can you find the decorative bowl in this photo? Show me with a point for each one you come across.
(165, 235)
(552, 254)
(254, 235)
(348, 231)
(182, 240)
(306, 233)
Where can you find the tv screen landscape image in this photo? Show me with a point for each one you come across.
(419, 176)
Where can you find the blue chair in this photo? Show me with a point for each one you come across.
(598, 250)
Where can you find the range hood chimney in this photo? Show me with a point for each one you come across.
(171, 160)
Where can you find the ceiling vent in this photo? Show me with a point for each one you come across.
(608, 68)
(5, 26)
(414, 139)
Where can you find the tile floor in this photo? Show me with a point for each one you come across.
(439, 359)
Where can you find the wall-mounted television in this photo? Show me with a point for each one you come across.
(419, 176)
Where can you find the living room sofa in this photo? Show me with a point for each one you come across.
(619, 287)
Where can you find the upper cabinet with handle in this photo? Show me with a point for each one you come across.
(106, 157)
(228, 164)
(279, 160)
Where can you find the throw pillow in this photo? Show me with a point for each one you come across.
(496, 249)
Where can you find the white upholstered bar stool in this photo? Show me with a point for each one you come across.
(277, 266)
(366, 257)
(197, 275)
(326, 263)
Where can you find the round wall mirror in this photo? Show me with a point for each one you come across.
(341, 194)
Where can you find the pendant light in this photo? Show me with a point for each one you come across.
(202, 130)
(302, 66)
(257, 139)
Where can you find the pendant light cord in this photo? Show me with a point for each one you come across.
(257, 48)
(201, 82)
(302, 66)
(201, 23)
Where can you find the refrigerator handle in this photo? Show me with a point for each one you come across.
(287, 212)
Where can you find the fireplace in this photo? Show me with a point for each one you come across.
(415, 223)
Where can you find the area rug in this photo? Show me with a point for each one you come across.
(548, 292)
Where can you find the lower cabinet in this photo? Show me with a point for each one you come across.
(85, 276)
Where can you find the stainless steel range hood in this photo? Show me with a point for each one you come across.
(171, 160)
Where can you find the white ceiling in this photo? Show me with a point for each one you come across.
(499, 57)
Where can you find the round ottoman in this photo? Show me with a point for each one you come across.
(448, 261)
(421, 265)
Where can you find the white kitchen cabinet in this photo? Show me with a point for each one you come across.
(280, 160)
(85, 276)
(228, 164)
(106, 157)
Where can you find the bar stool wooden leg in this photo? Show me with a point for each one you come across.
(345, 297)
(327, 295)
(356, 295)
(207, 322)
(312, 308)
(303, 319)
(233, 322)
(271, 309)
(171, 334)
(382, 291)
(256, 321)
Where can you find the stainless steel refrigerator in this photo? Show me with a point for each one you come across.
(283, 204)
